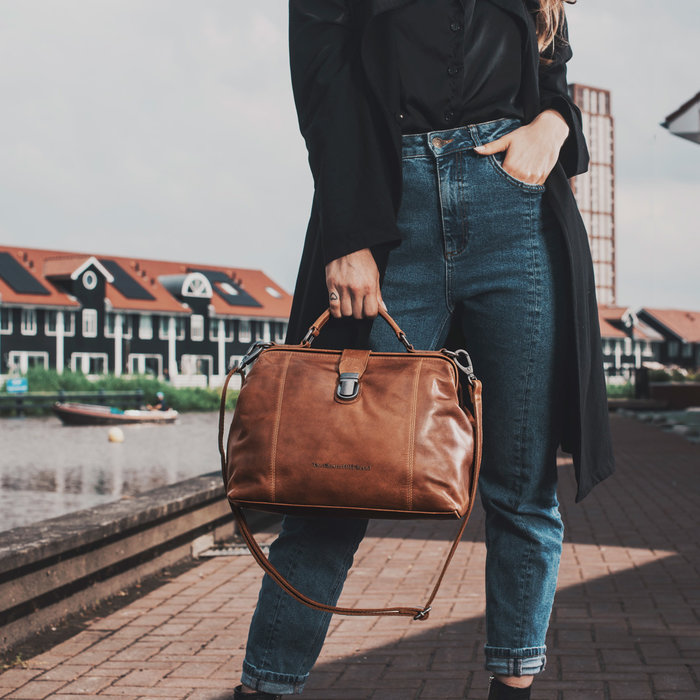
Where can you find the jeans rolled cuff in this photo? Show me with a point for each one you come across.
(271, 682)
(523, 661)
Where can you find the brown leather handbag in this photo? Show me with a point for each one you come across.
(353, 433)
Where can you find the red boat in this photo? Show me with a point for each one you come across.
(94, 414)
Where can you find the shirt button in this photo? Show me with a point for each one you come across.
(455, 26)
(449, 115)
(454, 68)
(400, 116)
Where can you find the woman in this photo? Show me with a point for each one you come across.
(440, 137)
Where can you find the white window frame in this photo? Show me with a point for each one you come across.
(163, 327)
(191, 359)
(139, 358)
(127, 327)
(89, 323)
(6, 312)
(28, 324)
(69, 323)
(47, 315)
(145, 327)
(20, 359)
(108, 316)
(245, 331)
(214, 329)
(180, 327)
(89, 279)
(196, 285)
(199, 335)
(280, 332)
(85, 357)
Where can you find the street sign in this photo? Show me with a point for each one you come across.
(16, 385)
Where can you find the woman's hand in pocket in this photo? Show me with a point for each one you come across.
(353, 285)
(531, 150)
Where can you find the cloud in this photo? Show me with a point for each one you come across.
(167, 128)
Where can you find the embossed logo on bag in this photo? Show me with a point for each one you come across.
(352, 467)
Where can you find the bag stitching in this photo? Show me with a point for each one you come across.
(412, 436)
(278, 412)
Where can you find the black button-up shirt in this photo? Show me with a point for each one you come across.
(459, 63)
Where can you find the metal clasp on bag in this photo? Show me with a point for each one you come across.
(348, 385)
(252, 352)
(423, 613)
(465, 365)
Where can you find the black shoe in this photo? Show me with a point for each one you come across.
(501, 691)
(238, 694)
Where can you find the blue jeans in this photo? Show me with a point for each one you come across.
(485, 246)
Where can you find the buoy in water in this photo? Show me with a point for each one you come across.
(115, 435)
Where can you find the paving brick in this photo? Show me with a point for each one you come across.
(35, 690)
(623, 624)
(88, 684)
(143, 677)
(630, 690)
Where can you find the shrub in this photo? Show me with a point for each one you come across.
(620, 391)
(182, 399)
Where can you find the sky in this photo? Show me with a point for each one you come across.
(167, 129)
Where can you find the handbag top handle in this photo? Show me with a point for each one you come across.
(321, 321)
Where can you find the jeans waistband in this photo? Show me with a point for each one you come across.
(458, 138)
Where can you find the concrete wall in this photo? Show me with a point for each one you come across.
(65, 564)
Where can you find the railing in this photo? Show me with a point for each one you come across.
(18, 403)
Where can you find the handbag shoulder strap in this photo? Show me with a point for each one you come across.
(416, 613)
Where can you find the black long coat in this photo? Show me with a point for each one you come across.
(346, 92)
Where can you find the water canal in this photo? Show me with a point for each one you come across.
(48, 469)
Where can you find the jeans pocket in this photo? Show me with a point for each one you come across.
(496, 160)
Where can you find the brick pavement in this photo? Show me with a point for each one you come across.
(624, 625)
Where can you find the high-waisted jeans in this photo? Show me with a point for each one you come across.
(481, 244)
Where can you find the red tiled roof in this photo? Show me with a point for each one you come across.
(47, 264)
(612, 326)
(684, 323)
(32, 261)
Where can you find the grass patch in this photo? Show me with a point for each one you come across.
(182, 399)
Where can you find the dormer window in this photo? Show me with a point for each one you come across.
(196, 285)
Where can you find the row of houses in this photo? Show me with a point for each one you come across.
(98, 314)
(635, 337)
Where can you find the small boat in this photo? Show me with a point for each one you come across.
(94, 414)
